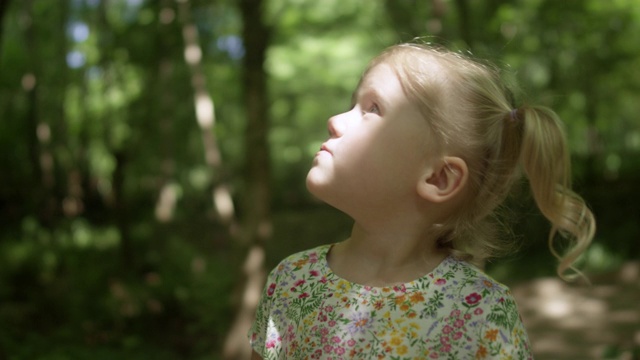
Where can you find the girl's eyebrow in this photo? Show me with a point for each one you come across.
(354, 97)
(367, 89)
(371, 91)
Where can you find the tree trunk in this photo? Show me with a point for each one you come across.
(165, 205)
(464, 21)
(412, 19)
(205, 114)
(30, 85)
(257, 222)
(4, 5)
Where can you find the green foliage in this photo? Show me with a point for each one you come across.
(68, 296)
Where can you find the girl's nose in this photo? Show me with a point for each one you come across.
(337, 124)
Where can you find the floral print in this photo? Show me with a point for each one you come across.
(454, 312)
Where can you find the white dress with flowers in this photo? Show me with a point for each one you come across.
(454, 312)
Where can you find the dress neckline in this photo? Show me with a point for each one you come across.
(399, 287)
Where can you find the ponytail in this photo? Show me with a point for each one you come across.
(545, 159)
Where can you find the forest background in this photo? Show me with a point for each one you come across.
(153, 153)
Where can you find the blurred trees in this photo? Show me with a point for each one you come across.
(129, 203)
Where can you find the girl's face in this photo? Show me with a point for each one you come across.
(376, 151)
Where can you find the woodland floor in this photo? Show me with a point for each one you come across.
(597, 321)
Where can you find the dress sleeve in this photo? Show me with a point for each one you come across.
(503, 334)
(258, 332)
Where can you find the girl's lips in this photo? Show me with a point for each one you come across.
(325, 148)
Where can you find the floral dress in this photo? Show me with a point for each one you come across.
(454, 312)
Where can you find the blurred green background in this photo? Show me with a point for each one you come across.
(153, 153)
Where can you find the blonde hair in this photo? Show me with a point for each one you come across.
(471, 115)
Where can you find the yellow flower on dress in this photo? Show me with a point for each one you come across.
(481, 353)
(491, 335)
(505, 356)
(300, 263)
(401, 350)
(416, 297)
(343, 286)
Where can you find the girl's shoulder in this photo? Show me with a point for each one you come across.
(462, 276)
(306, 260)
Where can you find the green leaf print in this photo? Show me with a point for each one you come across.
(311, 306)
(433, 304)
(449, 275)
(294, 308)
(504, 314)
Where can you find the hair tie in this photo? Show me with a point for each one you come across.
(513, 115)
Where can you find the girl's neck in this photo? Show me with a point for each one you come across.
(385, 255)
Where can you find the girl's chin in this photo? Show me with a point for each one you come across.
(316, 178)
(314, 186)
(318, 186)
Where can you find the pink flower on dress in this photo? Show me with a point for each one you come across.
(457, 335)
(441, 281)
(447, 329)
(336, 339)
(332, 323)
(467, 316)
(478, 311)
(473, 298)
(303, 295)
(299, 282)
(339, 350)
(455, 313)
(400, 288)
(271, 344)
(272, 289)
(459, 323)
(314, 273)
(351, 342)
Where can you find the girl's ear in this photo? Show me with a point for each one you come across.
(444, 181)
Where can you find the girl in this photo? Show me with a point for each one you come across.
(426, 154)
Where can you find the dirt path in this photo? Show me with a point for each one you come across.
(601, 321)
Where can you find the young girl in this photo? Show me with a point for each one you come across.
(426, 154)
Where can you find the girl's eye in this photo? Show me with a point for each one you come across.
(373, 109)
